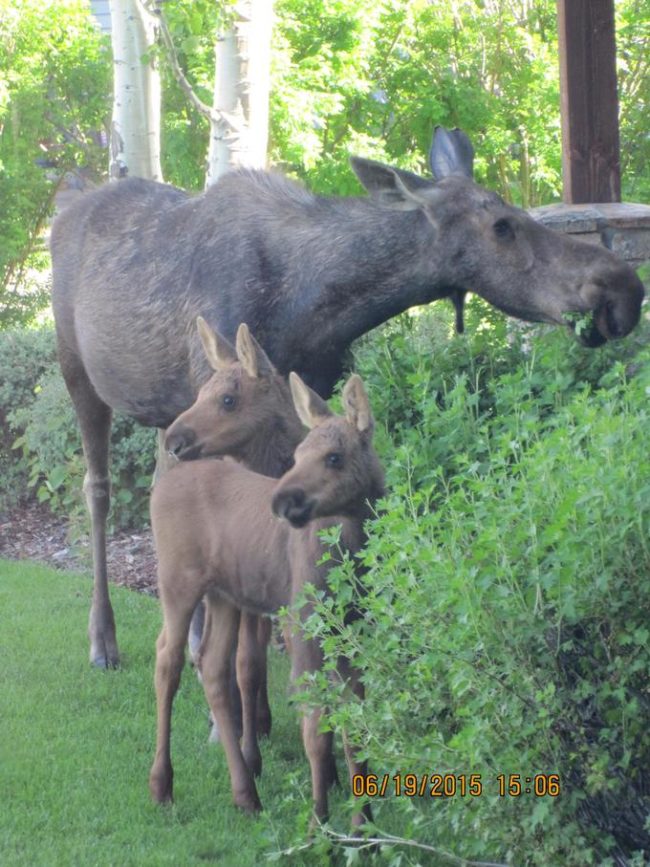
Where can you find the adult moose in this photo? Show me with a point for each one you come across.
(308, 274)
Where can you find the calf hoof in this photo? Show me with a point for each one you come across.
(249, 803)
(160, 786)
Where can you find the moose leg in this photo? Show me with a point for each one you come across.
(355, 766)
(219, 641)
(94, 418)
(251, 665)
(306, 656)
(170, 655)
(264, 721)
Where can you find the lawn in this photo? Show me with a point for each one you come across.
(76, 745)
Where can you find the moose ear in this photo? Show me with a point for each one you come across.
(357, 405)
(218, 351)
(253, 359)
(391, 187)
(311, 408)
(451, 153)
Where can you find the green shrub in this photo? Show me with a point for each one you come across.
(24, 356)
(508, 589)
(40, 425)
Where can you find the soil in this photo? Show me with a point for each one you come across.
(32, 532)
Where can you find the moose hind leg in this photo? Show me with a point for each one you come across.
(263, 710)
(94, 418)
(219, 641)
(251, 666)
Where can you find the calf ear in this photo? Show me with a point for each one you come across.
(357, 405)
(219, 352)
(253, 359)
(451, 153)
(311, 408)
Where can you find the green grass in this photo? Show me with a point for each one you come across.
(76, 745)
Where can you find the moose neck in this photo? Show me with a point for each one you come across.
(359, 266)
(271, 453)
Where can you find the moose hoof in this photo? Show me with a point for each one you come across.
(160, 786)
(104, 653)
(104, 662)
(248, 803)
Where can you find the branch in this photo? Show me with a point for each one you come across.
(213, 115)
(390, 840)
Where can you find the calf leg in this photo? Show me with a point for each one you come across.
(306, 656)
(170, 654)
(251, 665)
(355, 766)
(264, 721)
(219, 641)
(94, 418)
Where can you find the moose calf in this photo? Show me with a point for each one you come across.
(216, 536)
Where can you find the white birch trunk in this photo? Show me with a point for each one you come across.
(241, 91)
(135, 127)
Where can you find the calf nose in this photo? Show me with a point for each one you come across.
(179, 440)
(293, 505)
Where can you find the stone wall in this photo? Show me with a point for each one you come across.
(622, 228)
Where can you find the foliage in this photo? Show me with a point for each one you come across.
(40, 449)
(54, 97)
(506, 594)
(353, 76)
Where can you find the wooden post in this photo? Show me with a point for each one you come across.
(589, 101)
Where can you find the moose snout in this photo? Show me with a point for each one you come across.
(180, 443)
(293, 505)
(615, 313)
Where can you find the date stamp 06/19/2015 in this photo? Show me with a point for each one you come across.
(455, 785)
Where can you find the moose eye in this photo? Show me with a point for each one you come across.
(334, 459)
(228, 402)
(503, 230)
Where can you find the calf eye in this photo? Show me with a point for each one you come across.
(503, 230)
(228, 402)
(334, 459)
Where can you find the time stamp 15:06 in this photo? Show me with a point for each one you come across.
(454, 785)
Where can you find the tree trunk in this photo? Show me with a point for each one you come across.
(239, 129)
(135, 127)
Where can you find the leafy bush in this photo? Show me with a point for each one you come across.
(39, 423)
(507, 590)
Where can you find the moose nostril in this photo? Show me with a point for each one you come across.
(285, 502)
(176, 443)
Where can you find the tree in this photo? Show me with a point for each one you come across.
(134, 144)
(54, 86)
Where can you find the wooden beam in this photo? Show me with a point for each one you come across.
(589, 101)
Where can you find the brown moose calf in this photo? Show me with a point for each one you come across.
(216, 536)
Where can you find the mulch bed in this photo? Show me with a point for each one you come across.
(32, 532)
